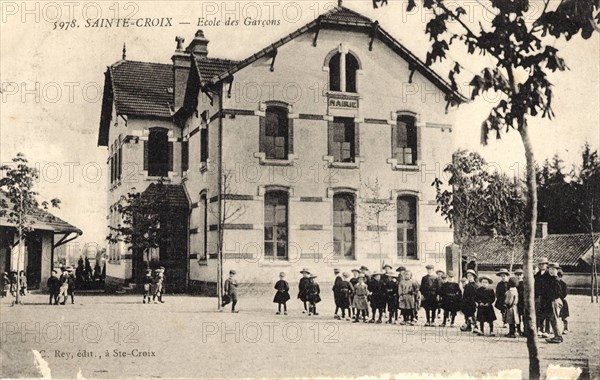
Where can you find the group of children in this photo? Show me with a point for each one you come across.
(387, 292)
(61, 286)
(8, 284)
(154, 285)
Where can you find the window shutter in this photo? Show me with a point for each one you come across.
(262, 121)
(417, 154)
(203, 144)
(145, 155)
(112, 167)
(170, 156)
(120, 162)
(330, 140)
(185, 156)
(394, 142)
(356, 140)
(290, 136)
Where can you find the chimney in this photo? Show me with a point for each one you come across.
(181, 69)
(541, 231)
(199, 45)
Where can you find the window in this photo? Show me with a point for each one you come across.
(276, 224)
(204, 227)
(342, 72)
(119, 162)
(343, 225)
(275, 133)
(343, 139)
(404, 140)
(204, 144)
(406, 211)
(185, 155)
(158, 153)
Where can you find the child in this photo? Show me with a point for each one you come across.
(439, 273)
(336, 294)
(159, 285)
(469, 304)
(511, 312)
(391, 293)
(4, 284)
(429, 290)
(353, 283)
(230, 289)
(53, 285)
(408, 291)
(22, 283)
(64, 285)
(564, 313)
(377, 291)
(314, 295)
(344, 290)
(71, 284)
(282, 295)
(521, 300)
(451, 295)
(359, 302)
(303, 288)
(148, 282)
(485, 297)
(501, 288)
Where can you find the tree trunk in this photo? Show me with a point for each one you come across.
(528, 281)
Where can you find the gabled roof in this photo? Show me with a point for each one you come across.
(343, 17)
(137, 88)
(564, 249)
(42, 220)
(174, 194)
(209, 68)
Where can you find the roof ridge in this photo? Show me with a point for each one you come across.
(121, 61)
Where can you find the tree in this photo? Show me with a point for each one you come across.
(521, 55)
(147, 221)
(226, 210)
(376, 211)
(17, 184)
(481, 202)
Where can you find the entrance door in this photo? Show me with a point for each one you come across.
(34, 260)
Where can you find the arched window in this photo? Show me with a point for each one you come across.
(342, 72)
(406, 223)
(404, 140)
(274, 133)
(276, 224)
(343, 225)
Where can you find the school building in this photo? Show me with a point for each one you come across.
(317, 151)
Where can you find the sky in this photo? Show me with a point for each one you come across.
(52, 78)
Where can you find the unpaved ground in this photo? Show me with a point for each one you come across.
(118, 336)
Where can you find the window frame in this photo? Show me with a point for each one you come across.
(402, 154)
(268, 142)
(274, 225)
(350, 199)
(402, 227)
(159, 169)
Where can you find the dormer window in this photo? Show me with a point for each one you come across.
(342, 72)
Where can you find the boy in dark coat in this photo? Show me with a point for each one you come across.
(314, 295)
(501, 289)
(353, 282)
(344, 290)
(429, 291)
(148, 284)
(451, 295)
(230, 289)
(336, 295)
(53, 285)
(4, 283)
(391, 294)
(564, 314)
(377, 290)
(282, 295)
(303, 288)
(485, 297)
(71, 286)
(469, 301)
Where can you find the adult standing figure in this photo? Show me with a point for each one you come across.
(542, 300)
(429, 290)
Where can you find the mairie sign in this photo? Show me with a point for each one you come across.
(344, 103)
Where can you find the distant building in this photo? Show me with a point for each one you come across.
(49, 233)
(296, 130)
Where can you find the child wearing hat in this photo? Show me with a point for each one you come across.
(336, 294)
(511, 312)
(53, 285)
(22, 283)
(64, 285)
(314, 295)
(148, 282)
(377, 293)
(469, 301)
(353, 283)
(451, 295)
(359, 303)
(485, 297)
(391, 294)
(230, 288)
(71, 284)
(429, 290)
(501, 289)
(303, 288)
(282, 295)
(159, 285)
(439, 273)
(408, 290)
(564, 313)
(4, 283)
(344, 290)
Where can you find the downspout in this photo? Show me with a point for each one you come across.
(219, 195)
